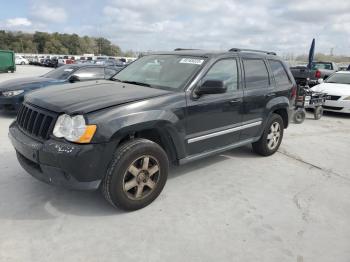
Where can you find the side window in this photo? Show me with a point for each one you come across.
(90, 73)
(256, 75)
(226, 71)
(279, 73)
(109, 72)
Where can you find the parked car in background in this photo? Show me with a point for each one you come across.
(12, 91)
(51, 62)
(7, 61)
(20, 60)
(337, 87)
(171, 107)
(319, 70)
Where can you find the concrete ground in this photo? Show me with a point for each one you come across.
(292, 206)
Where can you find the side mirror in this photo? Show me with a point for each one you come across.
(320, 80)
(74, 78)
(211, 87)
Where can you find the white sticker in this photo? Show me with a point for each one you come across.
(68, 70)
(191, 61)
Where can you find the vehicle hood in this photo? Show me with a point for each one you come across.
(85, 97)
(27, 83)
(333, 89)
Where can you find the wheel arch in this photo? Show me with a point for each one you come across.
(280, 106)
(162, 132)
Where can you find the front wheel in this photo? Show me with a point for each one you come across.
(136, 175)
(271, 138)
(318, 112)
(299, 116)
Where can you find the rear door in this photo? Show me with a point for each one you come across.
(259, 89)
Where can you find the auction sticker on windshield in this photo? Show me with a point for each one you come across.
(191, 61)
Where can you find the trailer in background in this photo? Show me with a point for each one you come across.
(7, 61)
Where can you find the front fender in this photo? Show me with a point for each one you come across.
(168, 124)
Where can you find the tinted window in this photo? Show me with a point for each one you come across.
(90, 73)
(224, 70)
(316, 66)
(339, 78)
(256, 75)
(279, 73)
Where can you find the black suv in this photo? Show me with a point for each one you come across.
(121, 134)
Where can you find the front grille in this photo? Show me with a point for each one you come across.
(329, 97)
(35, 121)
(333, 107)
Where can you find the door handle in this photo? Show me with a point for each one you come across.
(235, 101)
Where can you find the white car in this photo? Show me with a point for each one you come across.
(20, 60)
(337, 87)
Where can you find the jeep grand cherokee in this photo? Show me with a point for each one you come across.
(120, 135)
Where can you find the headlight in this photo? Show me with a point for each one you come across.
(347, 98)
(12, 93)
(74, 129)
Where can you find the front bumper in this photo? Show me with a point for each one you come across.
(13, 103)
(341, 106)
(61, 163)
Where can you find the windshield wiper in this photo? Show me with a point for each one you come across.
(136, 83)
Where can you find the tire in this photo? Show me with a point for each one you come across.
(299, 116)
(271, 138)
(22, 63)
(318, 112)
(137, 188)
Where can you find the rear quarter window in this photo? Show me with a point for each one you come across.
(256, 74)
(279, 72)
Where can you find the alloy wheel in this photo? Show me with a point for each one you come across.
(141, 177)
(274, 136)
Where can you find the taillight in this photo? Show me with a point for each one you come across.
(293, 93)
(318, 74)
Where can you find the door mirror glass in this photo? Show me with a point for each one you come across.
(211, 87)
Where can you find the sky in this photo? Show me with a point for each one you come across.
(286, 27)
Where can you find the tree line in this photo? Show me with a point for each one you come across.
(56, 43)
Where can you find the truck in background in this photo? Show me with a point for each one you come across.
(319, 70)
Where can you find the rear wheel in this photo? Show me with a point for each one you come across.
(136, 175)
(271, 138)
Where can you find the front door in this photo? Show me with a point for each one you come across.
(212, 120)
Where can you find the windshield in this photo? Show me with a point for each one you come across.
(61, 73)
(340, 78)
(327, 66)
(169, 72)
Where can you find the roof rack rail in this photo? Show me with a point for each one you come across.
(251, 50)
(184, 49)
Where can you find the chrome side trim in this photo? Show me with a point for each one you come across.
(223, 132)
(216, 151)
